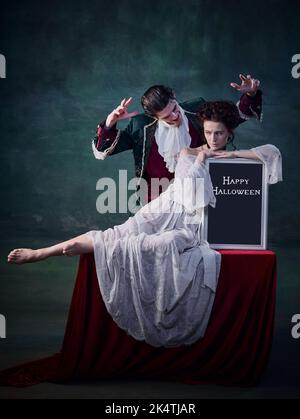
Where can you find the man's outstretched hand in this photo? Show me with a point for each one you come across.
(119, 113)
(248, 85)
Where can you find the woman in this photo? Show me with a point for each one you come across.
(219, 119)
(157, 275)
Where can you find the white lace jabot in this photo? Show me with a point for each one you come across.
(171, 139)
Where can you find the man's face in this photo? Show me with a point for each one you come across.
(170, 114)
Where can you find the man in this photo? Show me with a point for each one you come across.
(157, 136)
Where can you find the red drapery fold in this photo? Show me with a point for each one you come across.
(234, 350)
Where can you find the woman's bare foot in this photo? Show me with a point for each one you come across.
(77, 246)
(25, 256)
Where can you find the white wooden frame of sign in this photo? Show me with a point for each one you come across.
(264, 209)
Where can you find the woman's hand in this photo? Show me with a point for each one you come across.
(201, 153)
(225, 154)
(119, 113)
(248, 85)
(243, 154)
(205, 154)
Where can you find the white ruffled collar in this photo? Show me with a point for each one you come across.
(172, 139)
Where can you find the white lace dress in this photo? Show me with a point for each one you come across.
(156, 274)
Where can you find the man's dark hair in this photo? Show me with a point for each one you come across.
(156, 98)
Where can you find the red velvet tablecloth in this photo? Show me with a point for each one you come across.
(234, 350)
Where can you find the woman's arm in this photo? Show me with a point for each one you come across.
(245, 154)
(267, 153)
(202, 153)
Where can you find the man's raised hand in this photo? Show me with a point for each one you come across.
(248, 85)
(119, 113)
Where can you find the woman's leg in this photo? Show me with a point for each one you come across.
(76, 246)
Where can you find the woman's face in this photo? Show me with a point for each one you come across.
(216, 135)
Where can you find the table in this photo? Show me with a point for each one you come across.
(234, 350)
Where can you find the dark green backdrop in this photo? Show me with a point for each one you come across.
(70, 63)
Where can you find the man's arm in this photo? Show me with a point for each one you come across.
(108, 139)
(250, 103)
(250, 106)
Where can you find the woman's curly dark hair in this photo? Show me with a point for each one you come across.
(221, 111)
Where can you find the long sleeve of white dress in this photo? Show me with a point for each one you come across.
(271, 156)
(188, 195)
(192, 184)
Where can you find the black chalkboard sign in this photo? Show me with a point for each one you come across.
(239, 220)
